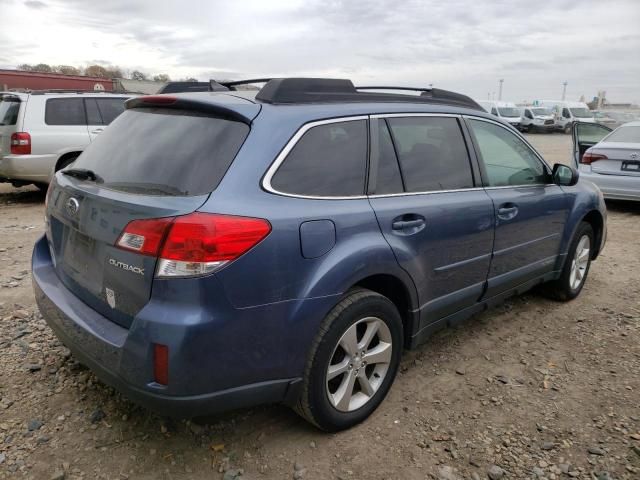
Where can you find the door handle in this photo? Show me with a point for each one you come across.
(507, 211)
(97, 130)
(407, 224)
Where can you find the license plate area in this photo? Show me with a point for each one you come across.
(631, 166)
(80, 252)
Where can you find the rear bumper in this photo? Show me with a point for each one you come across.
(208, 372)
(27, 168)
(615, 187)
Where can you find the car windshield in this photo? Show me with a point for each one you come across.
(9, 107)
(624, 135)
(508, 112)
(541, 111)
(581, 113)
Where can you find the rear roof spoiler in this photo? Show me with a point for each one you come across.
(218, 109)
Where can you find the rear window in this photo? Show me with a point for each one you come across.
(164, 152)
(624, 135)
(9, 108)
(328, 161)
(65, 111)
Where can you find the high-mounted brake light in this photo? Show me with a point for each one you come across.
(20, 143)
(194, 244)
(588, 158)
(159, 99)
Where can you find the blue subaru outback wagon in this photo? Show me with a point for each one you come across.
(221, 249)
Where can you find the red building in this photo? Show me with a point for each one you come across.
(42, 81)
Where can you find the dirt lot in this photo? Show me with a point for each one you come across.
(533, 389)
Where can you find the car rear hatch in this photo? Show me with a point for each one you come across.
(154, 161)
(616, 159)
(9, 111)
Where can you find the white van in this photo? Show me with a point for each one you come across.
(506, 111)
(566, 113)
(538, 119)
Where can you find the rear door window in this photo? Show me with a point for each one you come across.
(432, 152)
(328, 161)
(65, 111)
(157, 151)
(103, 111)
(110, 108)
(9, 108)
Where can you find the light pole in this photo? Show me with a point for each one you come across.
(500, 91)
(564, 90)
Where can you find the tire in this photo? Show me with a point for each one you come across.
(338, 403)
(567, 128)
(576, 266)
(65, 162)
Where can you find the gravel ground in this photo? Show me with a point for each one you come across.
(532, 389)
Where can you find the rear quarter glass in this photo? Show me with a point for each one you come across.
(9, 108)
(160, 151)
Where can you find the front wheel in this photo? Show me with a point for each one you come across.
(353, 362)
(567, 128)
(576, 266)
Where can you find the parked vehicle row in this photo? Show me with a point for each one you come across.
(218, 250)
(545, 115)
(42, 132)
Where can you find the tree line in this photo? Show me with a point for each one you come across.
(98, 71)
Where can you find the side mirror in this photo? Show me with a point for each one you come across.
(564, 175)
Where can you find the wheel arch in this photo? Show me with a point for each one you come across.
(403, 296)
(596, 220)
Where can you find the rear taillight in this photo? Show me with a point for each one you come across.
(20, 143)
(144, 236)
(194, 244)
(588, 158)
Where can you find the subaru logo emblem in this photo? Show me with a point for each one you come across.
(72, 206)
(634, 156)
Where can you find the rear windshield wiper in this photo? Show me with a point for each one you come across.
(82, 174)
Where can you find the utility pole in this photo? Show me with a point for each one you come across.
(564, 90)
(500, 91)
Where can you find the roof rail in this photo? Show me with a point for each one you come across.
(184, 86)
(331, 90)
(65, 90)
(236, 83)
(408, 89)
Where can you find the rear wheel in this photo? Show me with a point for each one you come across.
(353, 362)
(576, 266)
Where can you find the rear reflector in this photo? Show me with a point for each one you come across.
(161, 364)
(194, 244)
(20, 143)
(588, 158)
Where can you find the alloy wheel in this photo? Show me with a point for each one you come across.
(580, 262)
(359, 364)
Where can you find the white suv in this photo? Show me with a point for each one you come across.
(42, 132)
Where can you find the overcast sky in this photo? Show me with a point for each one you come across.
(462, 45)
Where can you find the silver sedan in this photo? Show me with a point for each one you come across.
(610, 159)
